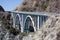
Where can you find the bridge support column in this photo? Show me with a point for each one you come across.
(13, 20)
(43, 19)
(41, 22)
(38, 23)
(13, 23)
(22, 24)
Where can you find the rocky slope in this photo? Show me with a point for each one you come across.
(7, 32)
(49, 31)
(39, 6)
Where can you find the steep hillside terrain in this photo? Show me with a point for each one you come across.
(49, 31)
(39, 6)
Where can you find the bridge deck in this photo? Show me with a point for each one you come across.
(36, 13)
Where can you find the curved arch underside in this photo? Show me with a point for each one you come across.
(28, 25)
(17, 23)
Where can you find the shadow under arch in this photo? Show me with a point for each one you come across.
(18, 22)
(29, 24)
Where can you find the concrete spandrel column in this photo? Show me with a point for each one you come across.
(22, 24)
(38, 23)
(13, 20)
(41, 21)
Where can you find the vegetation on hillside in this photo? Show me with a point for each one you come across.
(43, 6)
(6, 22)
(39, 6)
(1, 8)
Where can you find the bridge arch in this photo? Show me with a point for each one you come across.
(18, 22)
(29, 24)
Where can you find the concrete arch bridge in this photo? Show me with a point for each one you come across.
(29, 21)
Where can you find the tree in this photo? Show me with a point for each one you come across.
(1, 9)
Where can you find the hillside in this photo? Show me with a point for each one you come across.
(39, 6)
(49, 31)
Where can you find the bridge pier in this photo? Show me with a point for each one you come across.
(43, 19)
(22, 25)
(37, 22)
(13, 20)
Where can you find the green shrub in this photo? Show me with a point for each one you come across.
(11, 29)
(24, 9)
(43, 6)
(7, 27)
(3, 18)
(8, 16)
(14, 31)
